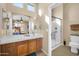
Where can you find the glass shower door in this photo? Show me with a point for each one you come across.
(56, 32)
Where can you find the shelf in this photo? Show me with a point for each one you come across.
(75, 27)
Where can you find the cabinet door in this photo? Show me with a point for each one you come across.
(11, 51)
(8, 50)
(32, 46)
(3, 50)
(22, 48)
(39, 44)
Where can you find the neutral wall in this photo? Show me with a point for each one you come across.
(58, 11)
(39, 20)
(1, 30)
(9, 7)
(15, 10)
(71, 16)
(0, 21)
(44, 25)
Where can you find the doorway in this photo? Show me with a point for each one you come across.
(55, 28)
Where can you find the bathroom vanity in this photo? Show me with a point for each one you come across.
(20, 47)
(15, 40)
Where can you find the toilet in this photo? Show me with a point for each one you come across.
(74, 44)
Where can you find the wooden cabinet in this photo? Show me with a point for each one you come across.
(32, 46)
(75, 27)
(0, 50)
(39, 44)
(8, 49)
(21, 48)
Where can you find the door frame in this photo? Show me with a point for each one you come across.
(50, 7)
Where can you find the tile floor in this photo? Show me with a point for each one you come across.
(63, 51)
(40, 53)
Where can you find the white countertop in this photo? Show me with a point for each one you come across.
(17, 38)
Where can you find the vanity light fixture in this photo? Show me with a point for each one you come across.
(21, 19)
(40, 12)
(47, 19)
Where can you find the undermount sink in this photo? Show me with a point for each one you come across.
(29, 35)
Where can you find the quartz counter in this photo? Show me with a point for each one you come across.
(17, 38)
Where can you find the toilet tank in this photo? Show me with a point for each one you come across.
(74, 38)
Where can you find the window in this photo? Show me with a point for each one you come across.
(20, 5)
(30, 7)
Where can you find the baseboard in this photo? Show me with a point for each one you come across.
(57, 46)
(44, 52)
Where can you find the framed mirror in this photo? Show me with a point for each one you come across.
(20, 24)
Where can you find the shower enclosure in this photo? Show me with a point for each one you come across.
(55, 32)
